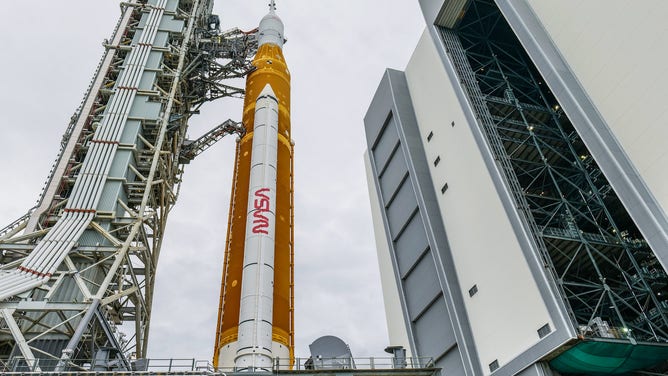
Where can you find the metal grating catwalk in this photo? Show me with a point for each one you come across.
(607, 274)
(81, 264)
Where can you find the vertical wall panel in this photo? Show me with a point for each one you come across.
(434, 331)
(385, 144)
(422, 282)
(410, 244)
(393, 175)
(401, 208)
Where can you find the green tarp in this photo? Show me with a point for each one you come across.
(608, 358)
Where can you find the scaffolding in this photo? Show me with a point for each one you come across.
(609, 278)
(77, 272)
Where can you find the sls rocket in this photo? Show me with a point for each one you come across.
(255, 315)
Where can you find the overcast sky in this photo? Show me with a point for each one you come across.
(337, 52)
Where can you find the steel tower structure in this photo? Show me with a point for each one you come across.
(604, 268)
(81, 264)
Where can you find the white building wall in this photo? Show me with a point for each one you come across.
(508, 309)
(396, 326)
(618, 51)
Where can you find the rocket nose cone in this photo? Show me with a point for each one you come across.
(271, 30)
(267, 91)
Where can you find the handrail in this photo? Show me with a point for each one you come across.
(177, 365)
(9, 229)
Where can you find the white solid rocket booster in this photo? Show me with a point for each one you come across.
(257, 282)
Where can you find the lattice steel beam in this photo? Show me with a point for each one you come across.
(603, 266)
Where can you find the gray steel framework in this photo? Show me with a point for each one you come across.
(607, 274)
(77, 272)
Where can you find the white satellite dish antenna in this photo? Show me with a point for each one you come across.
(329, 352)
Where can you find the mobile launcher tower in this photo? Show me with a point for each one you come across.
(78, 269)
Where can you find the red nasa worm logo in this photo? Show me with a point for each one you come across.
(261, 205)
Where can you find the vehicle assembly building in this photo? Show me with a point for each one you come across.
(517, 179)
